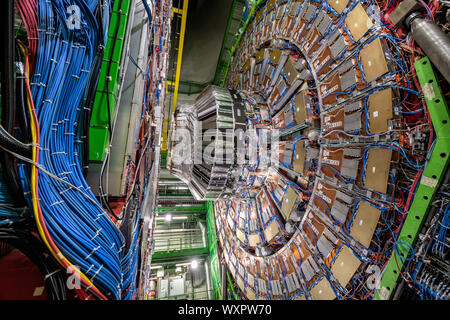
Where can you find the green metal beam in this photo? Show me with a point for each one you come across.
(231, 284)
(167, 255)
(108, 83)
(213, 254)
(432, 174)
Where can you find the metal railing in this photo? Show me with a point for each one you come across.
(178, 242)
(196, 295)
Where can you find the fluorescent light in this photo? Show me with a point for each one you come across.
(172, 218)
(182, 264)
(168, 218)
(194, 264)
(155, 267)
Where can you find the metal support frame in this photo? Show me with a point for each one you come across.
(432, 175)
(173, 254)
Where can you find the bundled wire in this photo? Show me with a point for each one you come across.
(31, 247)
(75, 227)
(10, 214)
(28, 13)
(441, 240)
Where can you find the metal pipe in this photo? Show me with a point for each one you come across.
(208, 279)
(433, 41)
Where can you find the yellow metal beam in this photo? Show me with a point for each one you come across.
(180, 52)
(183, 13)
(176, 10)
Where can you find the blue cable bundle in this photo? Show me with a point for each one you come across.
(75, 219)
(439, 244)
(8, 213)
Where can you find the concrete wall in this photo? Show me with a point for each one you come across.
(205, 28)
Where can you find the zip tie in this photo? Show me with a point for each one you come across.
(75, 76)
(65, 172)
(65, 190)
(58, 152)
(56, 203)
(88, 270)
(92, 279)
(48, 100)
(97, 233)
(51, 274)
(92, 252)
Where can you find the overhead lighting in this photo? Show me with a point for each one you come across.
(172, 218)
(180, 217)
(194, 264)
(155, 267)
(168, 218)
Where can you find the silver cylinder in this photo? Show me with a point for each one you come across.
(434, 42)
